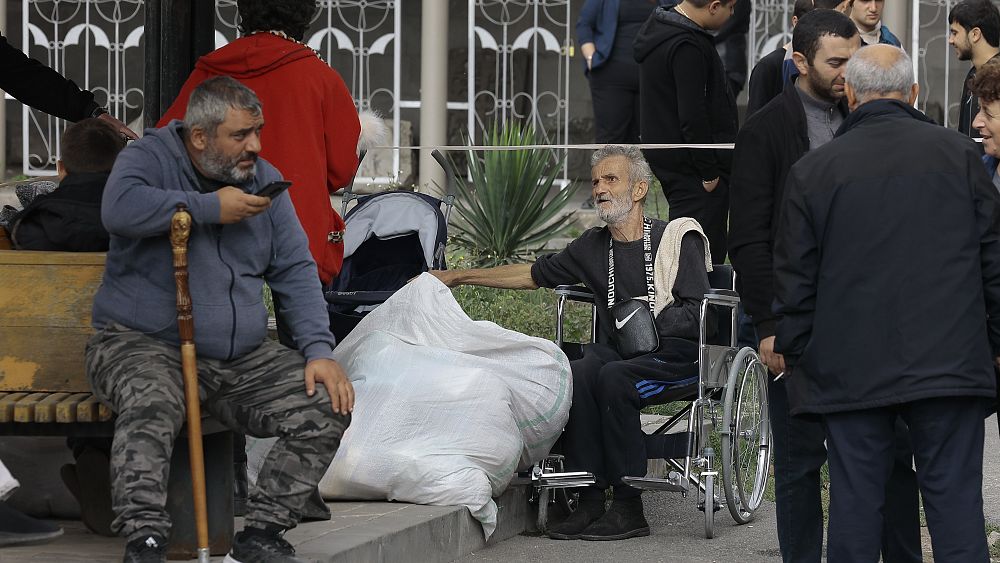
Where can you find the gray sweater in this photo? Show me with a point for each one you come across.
(227, 264)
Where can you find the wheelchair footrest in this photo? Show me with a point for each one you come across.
(565, 480)
(654, 484)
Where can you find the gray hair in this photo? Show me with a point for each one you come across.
(638, 168)
(211, 99)
(869, 79)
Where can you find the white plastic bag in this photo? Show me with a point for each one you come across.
(446, 408)
(7, 482)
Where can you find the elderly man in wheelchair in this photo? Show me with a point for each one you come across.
(651, 291)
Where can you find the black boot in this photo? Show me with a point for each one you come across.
(20, 529)
(150, 549)
(623, 520)
(570, 528)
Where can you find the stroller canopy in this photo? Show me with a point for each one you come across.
(393, 214)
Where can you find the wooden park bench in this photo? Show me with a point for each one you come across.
(45, 304)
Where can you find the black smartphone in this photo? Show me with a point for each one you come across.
(273, 189)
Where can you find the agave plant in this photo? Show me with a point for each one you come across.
(505, 211)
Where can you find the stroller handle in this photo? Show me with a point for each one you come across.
(449, 172)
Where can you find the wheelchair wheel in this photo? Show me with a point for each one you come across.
(543, 510)
(567, 500)
(709, 507)
(746, 436)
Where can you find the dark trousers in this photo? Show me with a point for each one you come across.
(604, 435)
(947, 435)
(614, 90)
(687, 197)
(799, 454)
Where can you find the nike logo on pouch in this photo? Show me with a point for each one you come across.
(621, 323)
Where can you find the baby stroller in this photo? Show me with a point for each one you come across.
(390, 238)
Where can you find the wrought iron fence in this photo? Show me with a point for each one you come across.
(517, 56)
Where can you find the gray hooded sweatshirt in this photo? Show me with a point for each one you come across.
(227, 264)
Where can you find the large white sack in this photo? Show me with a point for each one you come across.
(446, 408)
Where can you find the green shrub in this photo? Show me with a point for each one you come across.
(528, 312)
(505, 213)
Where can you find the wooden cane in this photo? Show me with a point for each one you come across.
(180, 231)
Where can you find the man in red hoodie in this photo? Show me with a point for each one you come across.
(312, 121)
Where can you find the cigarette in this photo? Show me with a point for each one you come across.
(779, 376)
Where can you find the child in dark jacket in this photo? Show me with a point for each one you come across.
(69, 218)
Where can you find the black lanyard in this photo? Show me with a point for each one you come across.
(647, 254)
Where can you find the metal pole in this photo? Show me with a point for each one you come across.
(177, 33)
(895, 15)
(180, 231)
(433, 91)
(3, 106)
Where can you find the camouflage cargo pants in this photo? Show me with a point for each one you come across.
(261, 394)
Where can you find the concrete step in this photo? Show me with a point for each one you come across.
(383, 532)
(358, 532)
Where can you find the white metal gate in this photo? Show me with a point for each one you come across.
(517, 59)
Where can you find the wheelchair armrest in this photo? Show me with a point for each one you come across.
(575, 293)
(722, 297)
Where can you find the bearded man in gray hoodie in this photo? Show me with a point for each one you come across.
(239, 240)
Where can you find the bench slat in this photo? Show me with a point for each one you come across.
(86, 411)
(45, 410)
(66, 409)
(24, 410)
(7, 405)
(91, 410)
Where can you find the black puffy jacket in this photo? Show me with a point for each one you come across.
(67, 219)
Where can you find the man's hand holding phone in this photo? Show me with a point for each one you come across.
(236, 205)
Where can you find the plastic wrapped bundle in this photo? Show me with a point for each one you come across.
(447, 408)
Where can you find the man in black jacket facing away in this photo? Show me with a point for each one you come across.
(685, 98)
(804, 116)
(887, 287)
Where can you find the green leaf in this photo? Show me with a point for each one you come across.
(505, 205)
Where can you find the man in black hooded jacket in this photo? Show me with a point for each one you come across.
(685, 98)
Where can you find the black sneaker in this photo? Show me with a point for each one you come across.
(585, 514)
(150, 549)
(254, 545)
(17, 528)
(624, 519)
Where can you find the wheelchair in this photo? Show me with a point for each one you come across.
(726, 409)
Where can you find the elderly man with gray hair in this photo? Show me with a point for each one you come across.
(887, 288)
(658, 270)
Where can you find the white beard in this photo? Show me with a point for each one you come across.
(619, 210)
